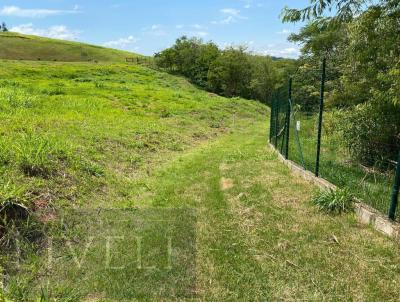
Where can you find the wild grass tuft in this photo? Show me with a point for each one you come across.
(38, 155)
(12, 99)
(334, 202)
(10, 193)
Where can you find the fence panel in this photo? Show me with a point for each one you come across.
(354, 153)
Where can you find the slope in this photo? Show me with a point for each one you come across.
(15, 46)
(144, 188)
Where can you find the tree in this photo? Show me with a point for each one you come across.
(189, 57)
(4, 27)
(230, 74)
(345, 10)
(263, 79)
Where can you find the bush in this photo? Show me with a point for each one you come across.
(334, 202)
(371, 133)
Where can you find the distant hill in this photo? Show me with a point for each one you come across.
(15, 46)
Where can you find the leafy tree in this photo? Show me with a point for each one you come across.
(345, 10)
(3, 27)
(263, 79)
(189, 57)
(230, 74)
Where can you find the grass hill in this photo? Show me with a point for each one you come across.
(141, 187)
(15, 46)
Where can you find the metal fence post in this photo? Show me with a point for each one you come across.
(288, 112)
(395, 193)
(321, 112)
(276, 122)
(271, 122)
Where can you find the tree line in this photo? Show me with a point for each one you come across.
(232, 72)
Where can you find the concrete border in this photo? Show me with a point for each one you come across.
(364, 213)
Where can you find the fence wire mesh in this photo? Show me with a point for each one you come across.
(359, 157)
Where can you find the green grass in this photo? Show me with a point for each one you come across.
(256, 239)
(371, 186)
(144, 188)
(15, 46)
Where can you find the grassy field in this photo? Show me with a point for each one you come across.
(15, 46)
(370, 185)
(144, 188)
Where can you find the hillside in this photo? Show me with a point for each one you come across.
(15, 46)
(142, 187)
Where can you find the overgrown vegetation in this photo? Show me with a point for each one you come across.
(363, 72)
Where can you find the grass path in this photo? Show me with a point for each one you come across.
(252, 237)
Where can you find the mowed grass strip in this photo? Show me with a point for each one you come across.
(258, 238)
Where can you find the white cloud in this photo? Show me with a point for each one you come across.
(231, 16)
(284, 50)
(230, 11)
(155, 27)
(16, 11)
(57, 32)
(250, 3)
(197, 27)
(122, 43)
(155, 30)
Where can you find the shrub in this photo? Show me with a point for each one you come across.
(371, 133)
(334, 202)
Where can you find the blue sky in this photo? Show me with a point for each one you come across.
(148, 26)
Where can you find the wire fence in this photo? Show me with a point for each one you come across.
(304, 131)
(143, 61)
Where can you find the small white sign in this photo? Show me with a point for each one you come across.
(298, 125)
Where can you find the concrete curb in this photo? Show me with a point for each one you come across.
(364, 213)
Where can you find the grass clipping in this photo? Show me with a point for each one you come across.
(334, 202)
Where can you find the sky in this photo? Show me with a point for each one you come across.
(149, 26)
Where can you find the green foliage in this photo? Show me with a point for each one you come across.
(345, 10)
(334, 202)
(189, 57)
(231, 72)
(264, 78)
(369, 132)
(363, 72)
